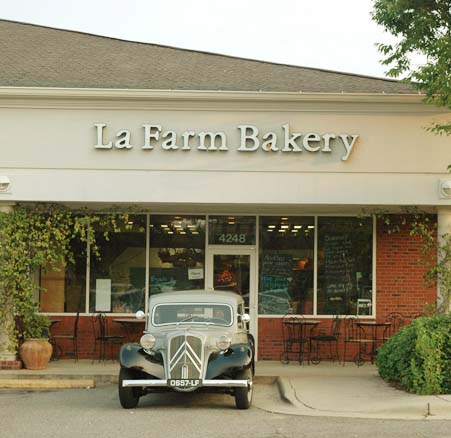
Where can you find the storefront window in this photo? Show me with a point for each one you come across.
(345, 248)
(231, 230)
(286, 265)
(117, 276)
(64, 289)
(177, 253)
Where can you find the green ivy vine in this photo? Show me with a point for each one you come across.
(436, 258)
(38, 236)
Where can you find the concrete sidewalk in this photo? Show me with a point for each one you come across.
(328, 389)
(332, 390)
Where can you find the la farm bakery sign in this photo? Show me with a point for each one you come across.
(248, 139)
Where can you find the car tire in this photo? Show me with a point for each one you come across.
(243, 396)
(128, 396)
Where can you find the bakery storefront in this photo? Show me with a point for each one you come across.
(271, 193)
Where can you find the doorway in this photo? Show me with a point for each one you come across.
(234, 269)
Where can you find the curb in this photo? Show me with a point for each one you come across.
(55, 381)
(286, 391)
(46, 383)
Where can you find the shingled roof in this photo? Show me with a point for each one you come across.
(38, 56)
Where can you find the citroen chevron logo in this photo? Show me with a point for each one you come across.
(187, 358)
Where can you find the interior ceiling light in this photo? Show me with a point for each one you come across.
(297, 227)
(284, 218)
(271, 226)
(285, 226)
(311, 226)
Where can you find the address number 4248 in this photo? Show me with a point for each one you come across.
(232, 238)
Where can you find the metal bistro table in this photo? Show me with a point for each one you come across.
(374, 328)
(296, 335)
(129, 325)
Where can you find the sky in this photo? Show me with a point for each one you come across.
(329, 34)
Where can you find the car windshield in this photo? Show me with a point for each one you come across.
(202, 313)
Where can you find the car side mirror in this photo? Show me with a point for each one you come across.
(140, 314)
(245, 317)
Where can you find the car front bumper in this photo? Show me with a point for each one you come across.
(219, 383)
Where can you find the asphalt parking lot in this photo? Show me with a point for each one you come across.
(96, 412)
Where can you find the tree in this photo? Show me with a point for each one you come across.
(422, 27)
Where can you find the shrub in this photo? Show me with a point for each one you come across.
(418, 357)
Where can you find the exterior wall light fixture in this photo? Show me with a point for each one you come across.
(445, 188)
(5, 184)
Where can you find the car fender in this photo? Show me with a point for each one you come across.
(134, 357)
(238, 356)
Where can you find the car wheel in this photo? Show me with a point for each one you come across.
(128, 396)
(243, 396)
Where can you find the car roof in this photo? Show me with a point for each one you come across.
(195, 296)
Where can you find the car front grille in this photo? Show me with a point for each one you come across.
(185, 357)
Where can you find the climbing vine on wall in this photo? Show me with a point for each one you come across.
(38, 236)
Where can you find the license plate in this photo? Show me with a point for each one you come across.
(184, 383)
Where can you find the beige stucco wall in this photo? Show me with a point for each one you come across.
(47, 149)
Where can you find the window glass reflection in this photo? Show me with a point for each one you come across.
(345, 260)
(118, 274)
(286, 265)
(64, 289)
(231, 230)
(177, 253)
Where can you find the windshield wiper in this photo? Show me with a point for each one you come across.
(189, 318)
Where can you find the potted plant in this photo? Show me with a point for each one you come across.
(36, 349)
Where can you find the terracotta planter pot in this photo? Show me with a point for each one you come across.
(36, 353)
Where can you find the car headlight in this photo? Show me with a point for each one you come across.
(147, 341)
(223, 343)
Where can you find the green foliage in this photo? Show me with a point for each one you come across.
(418, 357)
(34, 237)
(422, 28)
(35, 325)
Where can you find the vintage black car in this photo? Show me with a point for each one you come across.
(193, 341)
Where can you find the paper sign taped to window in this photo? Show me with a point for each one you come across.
(103, 295)
(195, 274)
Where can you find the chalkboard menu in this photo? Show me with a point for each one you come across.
(276, 276)
(338, 264)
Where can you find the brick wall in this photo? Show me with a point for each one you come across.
(400, 278)
(86, 336)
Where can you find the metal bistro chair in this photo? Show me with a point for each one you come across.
(355, 335)
(396, 321)
(294, 339)
(56, 341)
(101, 337)
(327, 338)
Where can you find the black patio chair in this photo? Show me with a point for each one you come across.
(332, 337)
(103, 339)
(295, 342)
(396, 321)
(59, 340)
(355, 335)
